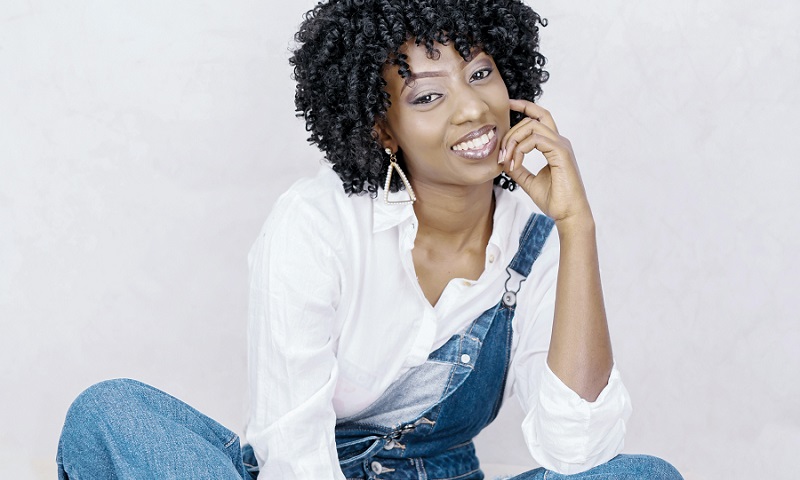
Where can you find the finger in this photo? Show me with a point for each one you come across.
(520, 126)
(522, 131)
(550, 148)
(534, 111)
(519, 173)
(534, 184)
(513, 136)
(523, 128)
(524, 177)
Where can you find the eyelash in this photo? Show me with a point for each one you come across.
(421, 100)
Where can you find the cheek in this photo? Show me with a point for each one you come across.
(422, 131)
(502, 109)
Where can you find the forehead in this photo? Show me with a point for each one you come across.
(419, 57)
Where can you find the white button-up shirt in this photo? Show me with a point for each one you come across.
(337, 314)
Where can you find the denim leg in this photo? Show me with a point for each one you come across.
(124, 429)
(621, 467)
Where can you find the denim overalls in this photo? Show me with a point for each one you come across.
(422, 427)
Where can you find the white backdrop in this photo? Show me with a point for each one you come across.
(143, 143)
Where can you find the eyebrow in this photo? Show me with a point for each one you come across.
(437, 73)
(414, 76)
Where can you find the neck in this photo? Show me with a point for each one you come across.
(454, 217)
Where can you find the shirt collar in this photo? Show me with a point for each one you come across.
(504, 237)
(388, 216)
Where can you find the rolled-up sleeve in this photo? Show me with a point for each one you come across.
(568, 434)
(292, 363)
(564, 432)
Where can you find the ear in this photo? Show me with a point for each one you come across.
(383, 135)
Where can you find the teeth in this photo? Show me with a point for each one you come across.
(475, 143)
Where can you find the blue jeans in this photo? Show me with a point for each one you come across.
(124, 429)
(621, 467)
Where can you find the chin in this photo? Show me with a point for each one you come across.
(486, 176)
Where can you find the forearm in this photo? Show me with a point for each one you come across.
(580, 346)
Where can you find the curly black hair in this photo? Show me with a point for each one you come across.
(344, 46)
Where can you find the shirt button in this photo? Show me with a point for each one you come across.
(376, 467)
(491, 258)
(466, 283)
(465, 358)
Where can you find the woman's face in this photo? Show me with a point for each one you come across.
(447, 118)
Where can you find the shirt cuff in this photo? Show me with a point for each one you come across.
(569, 435)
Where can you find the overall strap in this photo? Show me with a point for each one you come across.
(533, 237)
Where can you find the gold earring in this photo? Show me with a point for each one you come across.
(394, 166)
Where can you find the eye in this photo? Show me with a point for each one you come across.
(481, 74)
(427, 98)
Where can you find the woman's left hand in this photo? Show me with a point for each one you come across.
(557, 189)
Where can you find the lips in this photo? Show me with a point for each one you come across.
(476, 144)
(474, 135)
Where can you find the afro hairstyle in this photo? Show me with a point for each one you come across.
(343, 47)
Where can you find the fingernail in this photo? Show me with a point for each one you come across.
(502, 155)
(512, 165)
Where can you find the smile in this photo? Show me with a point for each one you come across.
(479, 146)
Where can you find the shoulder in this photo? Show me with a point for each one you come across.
(317, 210)
(321, 194)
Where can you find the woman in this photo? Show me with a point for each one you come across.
(386, 327)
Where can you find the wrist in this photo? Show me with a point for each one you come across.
(581, 224)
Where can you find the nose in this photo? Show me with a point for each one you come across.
(470, 106)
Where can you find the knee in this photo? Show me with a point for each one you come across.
(646, 466)
(100, 401)
(86, 427)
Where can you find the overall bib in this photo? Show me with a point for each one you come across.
(422, 427)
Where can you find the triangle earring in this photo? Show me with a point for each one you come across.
(394, 166)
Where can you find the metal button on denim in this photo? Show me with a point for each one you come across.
(509, 299)
(465, 358)
(376, 467)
